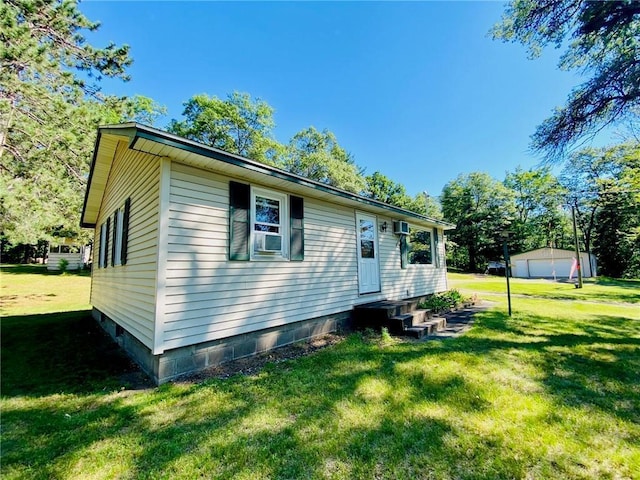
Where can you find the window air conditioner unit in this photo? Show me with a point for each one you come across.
(268, 242)
(401, 228)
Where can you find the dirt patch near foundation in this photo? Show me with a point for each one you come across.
(252, 365)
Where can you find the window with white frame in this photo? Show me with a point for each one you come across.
(118, 236)
(102, 260)
(269, 224)
(114, 236)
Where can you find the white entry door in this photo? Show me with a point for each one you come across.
(368, 266)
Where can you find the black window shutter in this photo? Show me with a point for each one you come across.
(106, 243)
(115, 238)
(404, 251)
(239, 221)
(125, 231)
(436, 248)
(297, 229)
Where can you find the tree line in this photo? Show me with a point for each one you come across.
(600, 185)
(51, 104)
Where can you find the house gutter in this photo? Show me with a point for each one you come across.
(135, 132)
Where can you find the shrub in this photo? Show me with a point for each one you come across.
(384, 335)
(436, 303)
(454, 297)
(442, 302)
(63, 264)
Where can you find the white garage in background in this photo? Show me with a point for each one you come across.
(551, 263)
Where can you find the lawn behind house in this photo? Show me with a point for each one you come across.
(31, 289)
(604, 289)
(551, 392)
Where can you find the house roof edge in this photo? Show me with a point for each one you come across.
(135, 131)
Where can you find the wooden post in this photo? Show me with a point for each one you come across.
(575, 239)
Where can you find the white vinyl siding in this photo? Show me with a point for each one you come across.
(75, 260)
(127, 293)
(413, 281)
(208, 297)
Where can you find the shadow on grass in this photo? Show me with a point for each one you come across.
(301, 406)
(625, 295)
(593, 363)
(58, 353)
(34, 269)
(350, 411)
(633, 284)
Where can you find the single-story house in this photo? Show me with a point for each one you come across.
(202, 256)
(69, 251)
(552, 263)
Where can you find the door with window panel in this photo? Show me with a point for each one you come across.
(368, 264)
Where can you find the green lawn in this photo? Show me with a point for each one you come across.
(598, 290)
(551, 392)
(30, 289)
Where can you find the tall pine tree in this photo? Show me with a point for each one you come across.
(50, 106)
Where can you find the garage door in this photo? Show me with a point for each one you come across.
(546, 268)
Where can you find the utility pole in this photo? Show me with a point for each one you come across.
(575, 239)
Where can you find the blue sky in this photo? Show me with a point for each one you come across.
(416, 90)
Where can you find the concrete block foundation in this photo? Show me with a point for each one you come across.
(180, 361)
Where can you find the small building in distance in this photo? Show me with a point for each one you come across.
(68, 250)
(552, 263)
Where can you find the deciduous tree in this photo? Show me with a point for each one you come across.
(583, 176)
(540, 220)
(238, 124)
(480, 207)
(317, 155)
(381, 187)
(616, 232)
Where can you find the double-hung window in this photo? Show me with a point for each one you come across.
(264, 224)
(269, 224)
(118, 236)
(102, 254)
(114, 236)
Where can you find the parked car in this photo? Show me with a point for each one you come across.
(495, 268)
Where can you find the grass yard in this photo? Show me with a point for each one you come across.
(595, 290)
(30, 289)
(552, 392)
